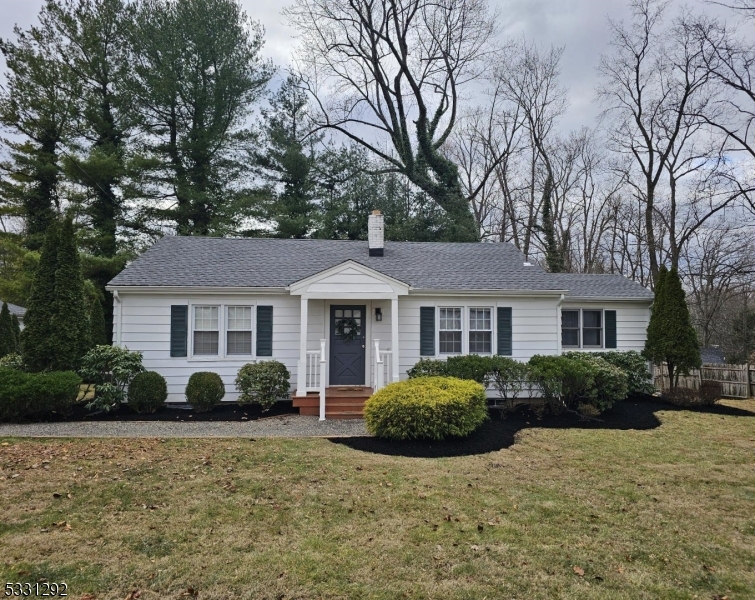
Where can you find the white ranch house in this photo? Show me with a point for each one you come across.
(346, 317)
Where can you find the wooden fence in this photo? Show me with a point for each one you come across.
(738, 380)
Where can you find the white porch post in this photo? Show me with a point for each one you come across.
(394, 338)
(301, 375)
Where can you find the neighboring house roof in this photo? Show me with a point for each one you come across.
(712, 355)
(14, 309)
(178, 261)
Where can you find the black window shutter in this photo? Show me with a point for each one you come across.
(179, 329)
(504, 331)
(610, 316)
(264, 331)
(427, 330)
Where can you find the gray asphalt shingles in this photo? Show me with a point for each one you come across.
(264, 262)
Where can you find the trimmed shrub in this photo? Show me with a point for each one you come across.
(575, 379)
(428, 367)
(509, 377)
(204, 390)
(682, 396)
(426, 408)
(8, 341)
(28, 395)
(471, 366)
(710, 392)
(110, 369)
(263, 383)
(635, 366)
(147, 392)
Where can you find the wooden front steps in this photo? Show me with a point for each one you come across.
(341, 402)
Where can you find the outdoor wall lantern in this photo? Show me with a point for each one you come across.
(378, 314)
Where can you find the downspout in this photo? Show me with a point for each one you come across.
(558, 323)
(118, 319)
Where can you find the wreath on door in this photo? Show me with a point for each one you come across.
(348, 329)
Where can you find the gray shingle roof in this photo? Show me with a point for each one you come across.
(265, 262)
(14, 309)
(582, 285)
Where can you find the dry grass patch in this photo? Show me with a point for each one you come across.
(567, 513)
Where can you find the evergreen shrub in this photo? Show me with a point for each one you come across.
(263, 383)
(426, 408)
(147, 392)
(28, 395)
(204, 390)
(110, 369)
(428, 367)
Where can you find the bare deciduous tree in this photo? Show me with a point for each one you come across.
(393, 71)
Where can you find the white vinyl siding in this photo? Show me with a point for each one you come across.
(632, 320)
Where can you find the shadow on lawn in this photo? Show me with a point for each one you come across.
(499, 433)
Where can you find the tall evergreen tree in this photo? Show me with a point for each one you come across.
(37, 347)
(7, 335)
(16, 331)
(97, 324)
(198, 69)
(286, 163)
(92, 41)
(37, 104)
(69, 327)
(671, 338)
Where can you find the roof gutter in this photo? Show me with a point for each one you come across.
(491, 292)
(608, 299)
(180, 289)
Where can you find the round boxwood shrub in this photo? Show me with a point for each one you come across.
(147, 392)
(204, 390)
(263, 383)
(426, 408)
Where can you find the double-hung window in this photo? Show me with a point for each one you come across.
(206, 330)
(570, 328)
(239, 330)
(480, 331)
(592, 328)
(581, 328)
(449, 331)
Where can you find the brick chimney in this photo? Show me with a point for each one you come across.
(376, 233)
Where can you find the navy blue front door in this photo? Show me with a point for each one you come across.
(347, 335)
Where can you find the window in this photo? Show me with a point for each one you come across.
(206, 330)
(592, 328)
(239, 330)
(449, 332)
(480, 331)
(570, 328)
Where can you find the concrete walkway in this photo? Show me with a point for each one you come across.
(283, 426)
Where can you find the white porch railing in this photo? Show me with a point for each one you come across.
(314, 374)
(382, 367)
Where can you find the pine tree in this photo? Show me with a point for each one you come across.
(70, 329)
(671, 338)
(16, 332)
(7, 335)
(36, 343)
(97, 324)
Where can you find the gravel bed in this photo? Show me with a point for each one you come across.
(281, 426)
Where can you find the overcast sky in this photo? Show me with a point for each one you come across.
(578, 25)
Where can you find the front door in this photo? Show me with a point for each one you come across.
(347, 339)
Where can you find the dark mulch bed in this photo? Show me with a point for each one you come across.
(227, 411)
(500, 431)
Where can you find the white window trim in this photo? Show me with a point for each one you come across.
(462, 312)
(492, 330)
(580, 329)
(222, 335)
(465, 310)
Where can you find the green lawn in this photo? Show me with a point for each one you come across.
(579, 513)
